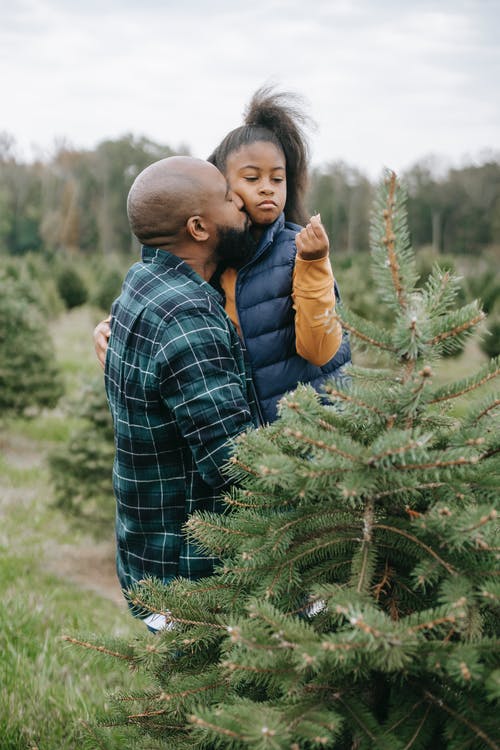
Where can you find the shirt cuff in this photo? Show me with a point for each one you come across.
(312, 275)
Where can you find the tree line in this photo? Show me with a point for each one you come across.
(76, 200)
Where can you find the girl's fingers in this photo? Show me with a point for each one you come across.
(313, 236)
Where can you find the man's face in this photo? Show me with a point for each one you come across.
(225, 219)
(230, 222)
(222, 206)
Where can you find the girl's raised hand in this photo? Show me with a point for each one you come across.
(312, 241)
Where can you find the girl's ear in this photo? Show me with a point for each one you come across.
(195, 226)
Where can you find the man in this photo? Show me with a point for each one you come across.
(175, 376)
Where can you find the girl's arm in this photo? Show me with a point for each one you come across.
(313, 296)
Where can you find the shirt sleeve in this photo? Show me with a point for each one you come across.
(313, 295)
(203, 385)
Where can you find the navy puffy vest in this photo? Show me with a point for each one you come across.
(267, 321)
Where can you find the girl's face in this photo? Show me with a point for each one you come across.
(257, 174)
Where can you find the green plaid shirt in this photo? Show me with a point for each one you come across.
(178, 391)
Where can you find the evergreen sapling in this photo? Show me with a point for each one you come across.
(356, 604)
(30, 379)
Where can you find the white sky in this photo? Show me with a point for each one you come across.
(387, 82)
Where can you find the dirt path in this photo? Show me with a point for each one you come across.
(88, 563)
(90, 566)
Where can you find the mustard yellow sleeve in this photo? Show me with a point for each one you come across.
(228, 284)
(313, 295)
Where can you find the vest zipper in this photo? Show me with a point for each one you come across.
(247, 355)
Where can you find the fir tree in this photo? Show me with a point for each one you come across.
(30, 380)
(80, 469)
(357, 601)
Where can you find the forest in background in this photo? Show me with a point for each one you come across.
(75, 200)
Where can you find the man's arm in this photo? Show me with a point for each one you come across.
(204, 387)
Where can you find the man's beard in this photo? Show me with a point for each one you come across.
(236, 246)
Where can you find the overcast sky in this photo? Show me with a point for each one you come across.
(387, 82)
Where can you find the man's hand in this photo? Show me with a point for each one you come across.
(102, 333)
(312, 241)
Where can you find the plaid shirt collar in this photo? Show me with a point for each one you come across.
(161, 257)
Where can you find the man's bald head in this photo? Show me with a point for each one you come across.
(166, 194)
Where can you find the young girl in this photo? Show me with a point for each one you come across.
(279, 297)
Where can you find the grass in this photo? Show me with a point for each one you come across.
(72, 336)
(50, 690)
(48, 428)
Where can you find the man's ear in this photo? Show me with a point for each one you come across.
(196, 227)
